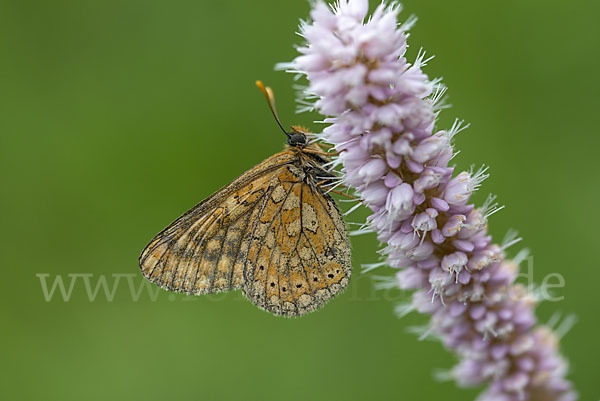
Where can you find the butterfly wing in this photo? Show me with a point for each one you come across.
(202, 251)
(298, 256)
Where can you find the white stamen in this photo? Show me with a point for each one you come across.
(565, 326)
(371, 266)
(521, 256)
(361, 232)
(422, 331)
(490, 207)
(510, 239)
(409, 23)
(554, 319)
(385, 282)
(404, 309)
(353, 208)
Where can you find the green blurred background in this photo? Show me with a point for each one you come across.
(117, 116)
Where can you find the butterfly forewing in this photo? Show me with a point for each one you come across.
(196, 254)
(272, 232)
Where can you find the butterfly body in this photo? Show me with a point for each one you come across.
(274, 232)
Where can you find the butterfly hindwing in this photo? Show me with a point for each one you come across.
(299, 256)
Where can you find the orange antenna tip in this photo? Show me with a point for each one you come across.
(261, 86)
(268, 92)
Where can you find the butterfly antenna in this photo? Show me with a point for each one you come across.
(268, 92)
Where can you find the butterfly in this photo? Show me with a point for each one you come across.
(274, 232)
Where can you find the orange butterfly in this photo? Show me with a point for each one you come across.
(274, 232)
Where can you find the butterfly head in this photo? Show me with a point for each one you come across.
(297, 137)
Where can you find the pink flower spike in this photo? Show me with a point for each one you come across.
(382, 112)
